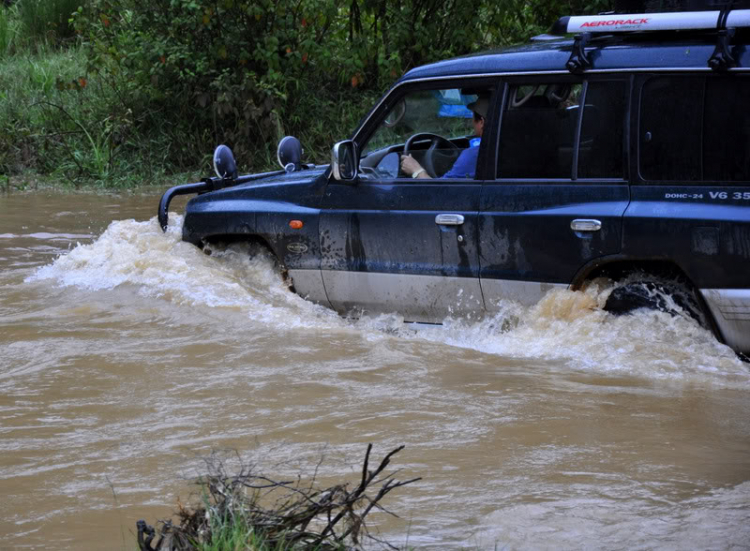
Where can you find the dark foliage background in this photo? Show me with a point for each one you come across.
(163, 81)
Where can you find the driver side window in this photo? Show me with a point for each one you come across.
(438, 128)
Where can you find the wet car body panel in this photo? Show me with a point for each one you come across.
(390, 227)
(264, 209)
(709, 242)
(525, 228)
(692, 232)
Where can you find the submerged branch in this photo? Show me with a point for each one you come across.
(281, 514)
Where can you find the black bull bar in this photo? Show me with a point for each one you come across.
(204, 186)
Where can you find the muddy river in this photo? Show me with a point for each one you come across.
(127, 357)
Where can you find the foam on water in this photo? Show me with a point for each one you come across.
(564, 325)
(573, 326)
(160, 265)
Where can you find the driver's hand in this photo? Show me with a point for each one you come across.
(409, 165)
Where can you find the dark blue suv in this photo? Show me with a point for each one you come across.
(622, 154)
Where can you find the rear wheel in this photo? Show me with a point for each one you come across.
(674, 298)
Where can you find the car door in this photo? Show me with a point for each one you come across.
(393, 243)
(561, 189)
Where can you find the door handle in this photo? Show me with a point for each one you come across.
(449, 219)
(585, 224)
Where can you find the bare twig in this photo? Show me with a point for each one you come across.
(289, 519)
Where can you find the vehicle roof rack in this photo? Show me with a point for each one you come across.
(638, 22)
(725, 21)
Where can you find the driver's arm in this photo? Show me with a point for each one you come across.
(411, 167)
(465, 166)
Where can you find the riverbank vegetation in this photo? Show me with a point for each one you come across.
(249, 511)
(119, 92)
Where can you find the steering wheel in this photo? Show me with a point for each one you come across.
(432, 151)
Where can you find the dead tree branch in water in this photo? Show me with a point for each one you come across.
(280, 513)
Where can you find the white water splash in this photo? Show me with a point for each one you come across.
(564, 325)
(573, 326)
(162, 266)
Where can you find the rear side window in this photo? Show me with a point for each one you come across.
(695, 129)
(538, 132)
(670, 131)
(726, 131)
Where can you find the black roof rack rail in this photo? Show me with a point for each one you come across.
(722, 59)
(579, 61)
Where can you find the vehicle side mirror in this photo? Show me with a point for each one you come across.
(344, 160)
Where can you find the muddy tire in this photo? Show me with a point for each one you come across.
(673, 298)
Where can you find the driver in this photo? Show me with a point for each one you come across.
(466, 164)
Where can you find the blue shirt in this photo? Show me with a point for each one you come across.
(466, 164)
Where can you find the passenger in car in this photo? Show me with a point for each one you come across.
(466, 164)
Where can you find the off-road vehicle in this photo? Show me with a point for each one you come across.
(618, 148)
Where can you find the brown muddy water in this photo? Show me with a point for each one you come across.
(126, 357)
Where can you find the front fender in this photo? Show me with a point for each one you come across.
(267, 220)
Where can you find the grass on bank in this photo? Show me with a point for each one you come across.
(61, 123)
(57, 121)
(10, 30)
(44, 128)
(47, 21)
(27, 23)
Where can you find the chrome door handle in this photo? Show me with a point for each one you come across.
(585, 224)
(449, 219)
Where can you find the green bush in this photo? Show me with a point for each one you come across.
(236, 72)
(56, 120)
(42, 120)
